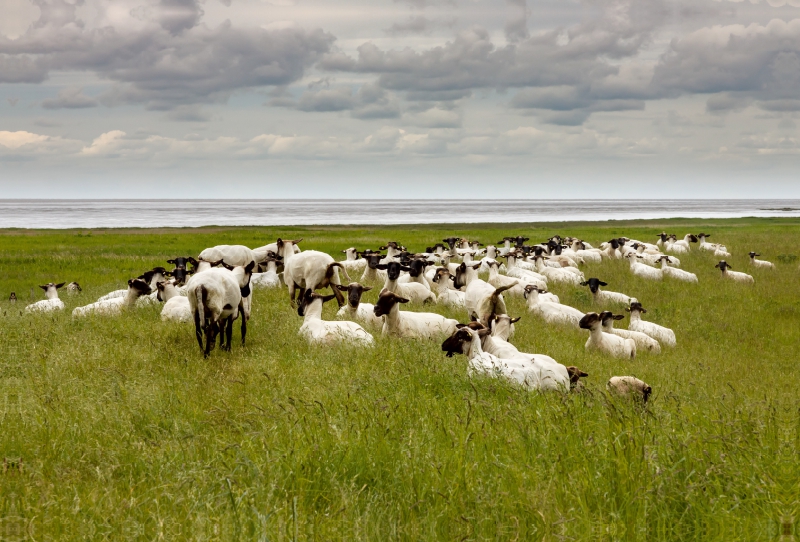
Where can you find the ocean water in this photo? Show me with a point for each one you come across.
(61, 214)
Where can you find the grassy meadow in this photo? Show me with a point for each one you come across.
(117, 428)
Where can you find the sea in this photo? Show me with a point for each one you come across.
(130, 213)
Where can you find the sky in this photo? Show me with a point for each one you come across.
(450, 99)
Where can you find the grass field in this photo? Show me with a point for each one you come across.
(117, 428)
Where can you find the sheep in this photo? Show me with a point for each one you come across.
(557, 275)
(354, 309)
(406, 324)
(413, 291)
(763, 264)
(269, 278)
(643, 270)
(734, 275)
(448, 295)
(529, 371)
(176, 307)
(642, 340)
(318, 331)
(516, 286)
(152, 277)
(416, 273)
(613, 345)
(650, 258)
(282, 247)
(722, 252)
(236, 255)
(604, 296)
(552, 313)
(52, 303)
(352, 263)
(629, 386)
(678, 274)
(703, 245)
(216, 299)
(312, 270)
(372, 273)
(12, 298)
(520, 270)
(465, 274)
(502, 325)
(662, 334)
(685, 242)
(111, 307)
(673, 246)
(482, 300)
(393, 249)
(74, 288)
(662, 239)
(588, 255)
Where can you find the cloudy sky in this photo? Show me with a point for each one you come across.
(400, 98)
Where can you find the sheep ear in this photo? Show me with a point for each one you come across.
(326, 298)
(171, 261)
(382, 266)
(43, 287)
(618, 316)
(483, 332)
(585, 283)
(601, 283)
(366, 288)
(296, 241)
(192, 261)
(130, 282)
(340, 287)
(459, 326)
(515, 320)
(60, 285)
(249, 267)
(402, 300)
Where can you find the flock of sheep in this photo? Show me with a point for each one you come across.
(215, 289)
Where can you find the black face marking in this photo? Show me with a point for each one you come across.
(588, 320)
(373, 260)
(140, 285)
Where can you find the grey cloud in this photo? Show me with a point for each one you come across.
(156, 67)
(179, 15)
(188, 113)
(725, 102)
(338, 99)
(414, 25)
(70, 98)
(369, 102)
(46, 123)
(569, 106)
(12, 101)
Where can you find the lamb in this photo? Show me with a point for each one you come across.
(52, 303)
(605, 342)
(352, 264)
(526, 370)
(318, 331)
(422, 325)
(448, 295)
(604, 296)
(642, 340)
(678, 274)
(662, 334)
(269, 278)
(643, 270)
(216, 298)
(354, 309)
(482, 300)
(734, 275)
(312, 270)
(552, 313)
(176, 307)
(416, 272)
(629, 386)
(111, 307)
(412, 291)
(762, 264)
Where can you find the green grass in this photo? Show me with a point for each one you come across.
(118, 428)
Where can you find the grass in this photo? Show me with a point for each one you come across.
(117, 428)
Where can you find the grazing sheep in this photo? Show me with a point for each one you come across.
(52, 303)
(660, 333)
(176, 307)
(678, 274)
(318, 331)
(607, 343)
(421, 325)
(643, 341)
(354, 309)
(762, 264)
(734, 275)
(552, 313)
(629, 386)
(604, 296)
(111, 307)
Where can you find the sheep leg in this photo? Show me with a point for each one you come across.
(198, 330)
(338, 294)
(229, 333)
(292, 291)
(244, 325)
(211, 336)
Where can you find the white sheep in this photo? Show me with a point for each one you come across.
(51, 303)
(319, 331)
(629, 386)
(643, 341)
(686, 241)
(557, 274)
(407, 324)
(552, 313)
(703, 245)
(282, 247)
(354, 309)
(482, 300)
(607, 343)
(312, 270)
(604, 296)
(446, 293)
(643, 270)
(678, 274)
(352, 263)
(112, 307)
(270, 277)
(722, 252)
(734, 275)
(176, 307)
(662, 334)
(762, 264)
(515, 287)
(413, 291)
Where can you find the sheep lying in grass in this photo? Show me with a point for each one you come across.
(112, 307)
(604, 296)
(607, 343)
(319, 331)
(421, 325)
(354, 309)
(176, 307)
(552, 313)
(629, 386)
(660, 333)
(643, 341)
(52, 303)
(762, 264)
(734, 275)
